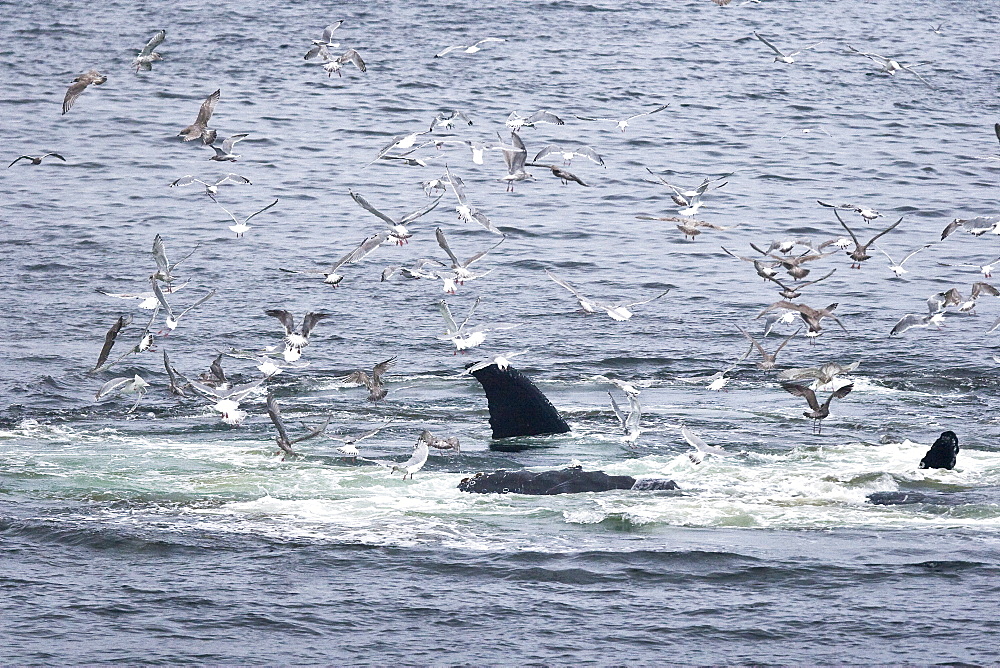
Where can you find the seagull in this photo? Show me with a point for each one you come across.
(515, 163)
(868, 213)
(795, 291)
(701, 448)
(812, 317)
(173, 320)
(937, 30)
(322, 45)
(515, 121)
(630, 422)
(285, 443)
(79, 85)
(337, 64)
(460, 272)
(897, 267)
(330, 276)
(817, 412)
(568, 154)
(985, 269)
(415, 462)
(211, 189)
(147, 300)
(619, 311)
(460, 336)
(432, 441)
(144, 61)
(718, 380)
(216, 375)
(860, 252)
(399, 141)
(977, 226)
(474, 48)
(265, 364)
(769, 359)
(135, 385)
(200, 129)
(684, 196)
(627, 388)
(805, 131)
(781, 57)
(448, 121)
(822, 376)
(350, 447)
(478, 148)
(889, 65)
(109, 340)
(225, 153)
(295, 340)
(397, 227)
(466, 212)
(145, 341)
(164, 269)
(791, 264)
(936, 305)
(621, 124)
(564, 175)
(241, 227)
(415, 270)
(689, 226)
(764, 271)
(36, 160)
(979, 288)
(376, 390)
(174, 387)
(502, 362)
(227, 399)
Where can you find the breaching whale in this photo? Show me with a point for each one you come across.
(517, 407)
(566, 481)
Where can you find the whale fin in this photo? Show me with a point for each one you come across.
(517, 407)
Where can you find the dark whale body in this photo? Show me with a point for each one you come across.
(566, 481)
(517, 407)
(943, 454)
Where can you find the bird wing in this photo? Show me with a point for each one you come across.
(239, 392)
(698, 444)
(196, 304)
(329, 30)
(410, 217)
(588, 153)
(645, 301)
(233, 178)
(472, 310)
(909, 321)
(449, 50)
(804, 392)
(548, 150)
(357, 378)
(379, 369)
(753, 341)
(980, 287)
(449, 321)
(109, 339)
(275, 414)
(353, 56)
(261, 211)
(160, 255)
(224, 208)
(207, 108)
(111, 386)
(73, 92)
(618, 411)
(286, 319)
(785, 342)
(310, 320)
(229, 142)
(645, 113)
(857, 244)
(158, 293)
(364, 204)
(443, 243)
(457, 186)
(206, 391)
(840, 393)
(563, 283)
(884, 232)
(480, 255)
(769, 45)
(543, 116)
(156, 40)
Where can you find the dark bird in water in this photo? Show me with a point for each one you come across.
(295, 340)
(817, 412)
(376, 390)
(199, 129)
(860, 252)
(35, 160)
(79, 85)
(284, 442)
(564, 175)
(943, 454)
(109, 340)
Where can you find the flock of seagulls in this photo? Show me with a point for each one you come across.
(785, 263)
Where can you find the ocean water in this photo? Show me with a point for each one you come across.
(162, 535)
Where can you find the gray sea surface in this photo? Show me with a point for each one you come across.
(162, 535)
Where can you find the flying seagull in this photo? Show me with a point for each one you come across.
(322, 45)
(109, 340)
(135, 385)
(860, 252)
(211, 189)
(516, 121)
(460, 272)
(284, 442)
(35, 160)
(337, 64)
(890, 65)
(295, 339)
(623, 123)
(241, 227)
(466, 212)
(79, 85)
(474, 48)
(144, 61)
(199, 129)
(818, 412)
(629, 422)
(397, 227)
(618, 311)
(330, 276)
(782, 57)
(376, 390)
(225, 152)
(701, 448)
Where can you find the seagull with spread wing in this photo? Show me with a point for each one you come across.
(296, 339)
(619, 311)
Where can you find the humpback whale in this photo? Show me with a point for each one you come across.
(943, 453)
(517, 407)
(566, 481)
